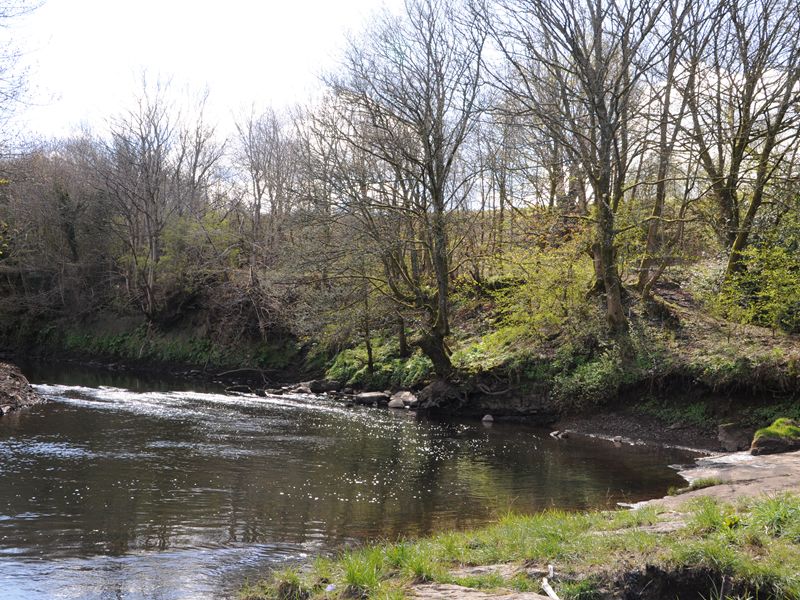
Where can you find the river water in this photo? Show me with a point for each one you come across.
(128, 488)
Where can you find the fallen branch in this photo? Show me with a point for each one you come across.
(548, 590)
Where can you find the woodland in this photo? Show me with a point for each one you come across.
(580, 194)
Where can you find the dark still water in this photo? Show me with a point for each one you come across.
(124, 491)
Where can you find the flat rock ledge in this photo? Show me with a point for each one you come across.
(740, 475)
(441, 591)
(15, 390)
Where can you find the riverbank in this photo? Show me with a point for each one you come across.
(738, 538)
(681, 370)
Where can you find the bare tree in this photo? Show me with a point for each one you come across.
(577, 65)
(13, 76)
(662, 109)
(154, 168)
(409, 100)
(743, 60)
(265, 153)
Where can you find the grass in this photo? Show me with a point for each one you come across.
(753, 545)
(697, 484)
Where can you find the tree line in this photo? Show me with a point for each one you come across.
(459, 145)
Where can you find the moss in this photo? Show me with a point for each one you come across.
(783, 428)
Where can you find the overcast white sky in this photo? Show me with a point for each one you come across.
(86, 56)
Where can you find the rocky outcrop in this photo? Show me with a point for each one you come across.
(782, 436)
(322, 386)
(774, 445)
(442, 395)
(15, 390)
(733, 437)
(407, 398)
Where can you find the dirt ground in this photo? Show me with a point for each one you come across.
(638, 427)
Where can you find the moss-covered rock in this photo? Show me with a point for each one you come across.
(782, 436)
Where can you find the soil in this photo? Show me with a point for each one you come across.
(637, 427)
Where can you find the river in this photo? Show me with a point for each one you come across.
(131, 488)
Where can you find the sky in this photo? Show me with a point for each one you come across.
(86, 57)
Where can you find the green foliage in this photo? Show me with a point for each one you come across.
(586, 589)
(351, 367)
(778, 516)
(143, 344)
(694, 413)
(597, 379)
(540, 294)
(767, 291)
(362, 571)
(709, 516)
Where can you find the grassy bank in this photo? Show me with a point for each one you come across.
(708, 549)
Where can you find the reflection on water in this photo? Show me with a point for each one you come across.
(112, 493)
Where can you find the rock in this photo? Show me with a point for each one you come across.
(396, 403)
(301, 389)
(617, 439)
(443, 591)
(442, 395)
(239, 389)
(348, 391)
(15, 391)
(487, 419)
(406, 397)
(366, 398)
(322, 386)
(274, 391)
(782, 436)
(774, 445)
(733, 437)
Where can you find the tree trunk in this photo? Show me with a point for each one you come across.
(434, 347)
(401, 337)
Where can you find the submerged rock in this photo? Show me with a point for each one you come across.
(301, 389)
(15, 390)
(367, 398)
